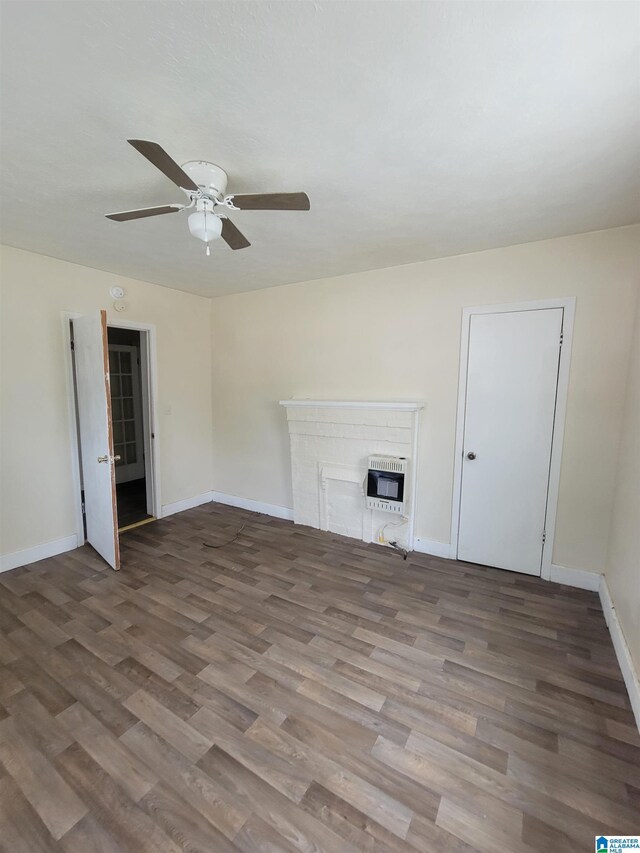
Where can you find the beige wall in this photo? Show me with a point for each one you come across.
(36, 485)
(623, 563)
(313, 340)
(319, 339)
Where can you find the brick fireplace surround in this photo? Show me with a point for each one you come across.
(331, 441)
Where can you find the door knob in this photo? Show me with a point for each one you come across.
(471, 455)
(107, 458)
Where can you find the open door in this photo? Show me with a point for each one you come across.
(96, 434)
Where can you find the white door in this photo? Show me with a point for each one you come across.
(96, 435)
(512, 379)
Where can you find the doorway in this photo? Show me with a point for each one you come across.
(129, 426)
(512, 399)
(112, 394)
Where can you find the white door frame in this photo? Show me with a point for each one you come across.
(148, 366)
(568, 303)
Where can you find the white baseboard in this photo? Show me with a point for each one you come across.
(629, 673)
(38, 552)
(579, 578)
(68, 543)
(432, 547)
(187, 503)
(254, 506)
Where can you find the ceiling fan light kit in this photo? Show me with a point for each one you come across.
(205, 185)
(204, 224)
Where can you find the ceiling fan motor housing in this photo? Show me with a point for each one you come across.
(211, 179)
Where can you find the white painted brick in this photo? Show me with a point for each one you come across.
(329, 452)
(346, 430)
(357, 432)
(371, 417)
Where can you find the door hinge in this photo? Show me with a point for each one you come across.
(73, 346)
(561, 338)
(544, 536)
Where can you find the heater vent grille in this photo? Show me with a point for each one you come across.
(388, 463)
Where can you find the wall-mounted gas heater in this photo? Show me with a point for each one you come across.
(385, 483)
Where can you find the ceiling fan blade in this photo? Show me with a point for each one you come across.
(144, 211)
(158, 156)
(232, 236)
(272, 201)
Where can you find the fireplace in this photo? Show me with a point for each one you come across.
(339, 453)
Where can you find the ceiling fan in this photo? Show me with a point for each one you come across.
(205, 184)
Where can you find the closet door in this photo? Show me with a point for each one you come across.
(512, 378)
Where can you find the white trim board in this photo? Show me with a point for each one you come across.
(255, 506)
(38, 552)
(187, 503)
(74, 445)
(150, 358)
(432, 547)
(631, 679)
(351, 404)
(69, 543)
(578, 578)
(568, 304)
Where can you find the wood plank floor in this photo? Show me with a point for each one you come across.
(296, 690)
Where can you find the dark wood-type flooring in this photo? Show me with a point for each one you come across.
(132, 502)
(296, 690)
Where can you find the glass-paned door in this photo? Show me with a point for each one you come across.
(126, 412)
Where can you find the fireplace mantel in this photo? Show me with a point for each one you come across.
(353, 404)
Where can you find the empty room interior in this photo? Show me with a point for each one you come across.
(320, 426)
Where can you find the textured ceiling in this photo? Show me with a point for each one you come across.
(419, 129)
